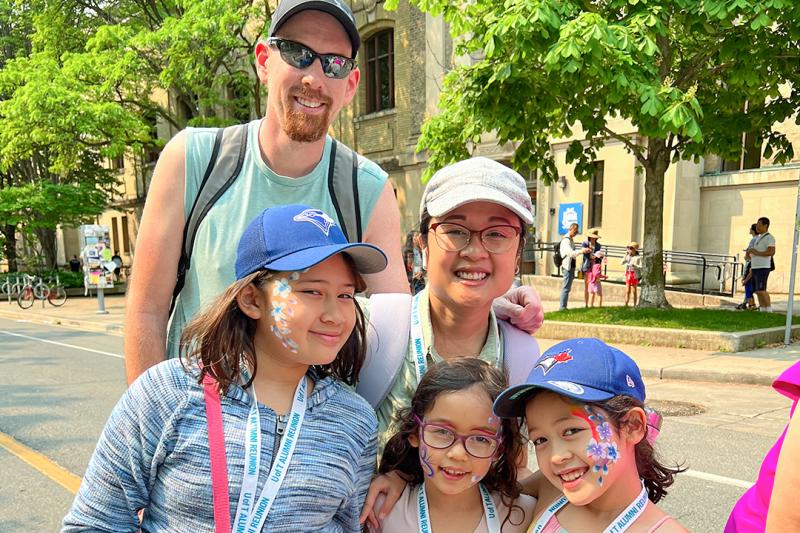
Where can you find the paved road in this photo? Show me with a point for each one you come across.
(57, 387)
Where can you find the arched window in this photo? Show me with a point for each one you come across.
(379, 54)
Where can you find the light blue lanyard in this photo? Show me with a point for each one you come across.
(621, 523)
(419, 347)
(489, 511)
(251, 513)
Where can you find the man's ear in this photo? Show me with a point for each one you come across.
(252, 302)
(352, 85)
(262, 52)
(633, 426)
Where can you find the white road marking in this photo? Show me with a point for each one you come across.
(718, 479)
(118, 356)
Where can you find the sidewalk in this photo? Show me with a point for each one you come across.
(755, 367)
(78, 312)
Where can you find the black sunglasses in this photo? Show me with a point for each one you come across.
(300, 56)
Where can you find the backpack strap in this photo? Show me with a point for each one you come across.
(343, 189)
(388, 333)
(520, 352)
(223, 168)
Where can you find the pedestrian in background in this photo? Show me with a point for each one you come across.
(591, 243)
(747, 273)
(633, 271)
(569, 255)
(762, 263)
(595, 279)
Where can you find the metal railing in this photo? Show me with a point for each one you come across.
(724, 268)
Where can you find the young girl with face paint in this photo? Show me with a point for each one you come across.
(252, 430)
(456, 456)
(584, 407)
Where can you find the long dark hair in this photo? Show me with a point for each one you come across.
(220, 338)
(453, 376)
(656, 476)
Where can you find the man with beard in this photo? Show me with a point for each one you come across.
(307, 65)
(286, 162)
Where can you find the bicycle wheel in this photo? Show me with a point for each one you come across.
(57, 296)
(25, 298)
(41, 290)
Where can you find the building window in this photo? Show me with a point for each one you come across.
(126, 240)
(114, 235)
(596, 196)
(749, 156)
(379, 53)
(118, 163)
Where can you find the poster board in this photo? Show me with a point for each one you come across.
(98, 268)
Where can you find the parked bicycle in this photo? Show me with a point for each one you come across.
(9, 287)
(35, 288)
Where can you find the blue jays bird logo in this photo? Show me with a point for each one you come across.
(547, 363)
(316, 217)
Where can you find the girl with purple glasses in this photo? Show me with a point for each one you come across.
(457, 458)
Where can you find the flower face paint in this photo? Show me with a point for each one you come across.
(576, 446)
(603, 447)
(283, 302)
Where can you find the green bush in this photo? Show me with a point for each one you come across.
(68, 279)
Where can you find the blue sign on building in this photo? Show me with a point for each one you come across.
(569, 214)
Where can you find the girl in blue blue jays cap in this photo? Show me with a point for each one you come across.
(251, 430)
(456, 456)
(583, 403)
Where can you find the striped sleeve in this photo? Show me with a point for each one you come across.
(125, 462)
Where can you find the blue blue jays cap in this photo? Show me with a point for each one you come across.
(296, 237)
(587, 370)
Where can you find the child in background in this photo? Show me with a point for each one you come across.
(633, 268)
(584, 407)
(595, 278)
(456, 456)
(257, 386)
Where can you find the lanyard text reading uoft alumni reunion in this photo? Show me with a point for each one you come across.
(418, 341)
(251, 513)
(489, 511)
(620, 523)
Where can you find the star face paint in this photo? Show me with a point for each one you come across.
(283, 303)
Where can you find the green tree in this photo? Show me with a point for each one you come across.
(198, 51)
(691, 75)
(55, 131)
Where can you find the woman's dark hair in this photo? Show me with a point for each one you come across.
(753, 229)
(453, 376)
(656, 476)
(220, 338)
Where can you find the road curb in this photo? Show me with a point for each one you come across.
(668, 338)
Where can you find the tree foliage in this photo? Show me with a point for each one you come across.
(85, 81)
(691, 76)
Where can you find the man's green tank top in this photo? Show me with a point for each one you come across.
(256, 188)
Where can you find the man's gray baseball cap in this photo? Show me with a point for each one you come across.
(478, 179)
(337, 8)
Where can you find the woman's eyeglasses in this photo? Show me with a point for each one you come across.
(441, 438)
(300, 56)
(455, 237)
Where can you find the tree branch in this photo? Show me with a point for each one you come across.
(635, 149)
